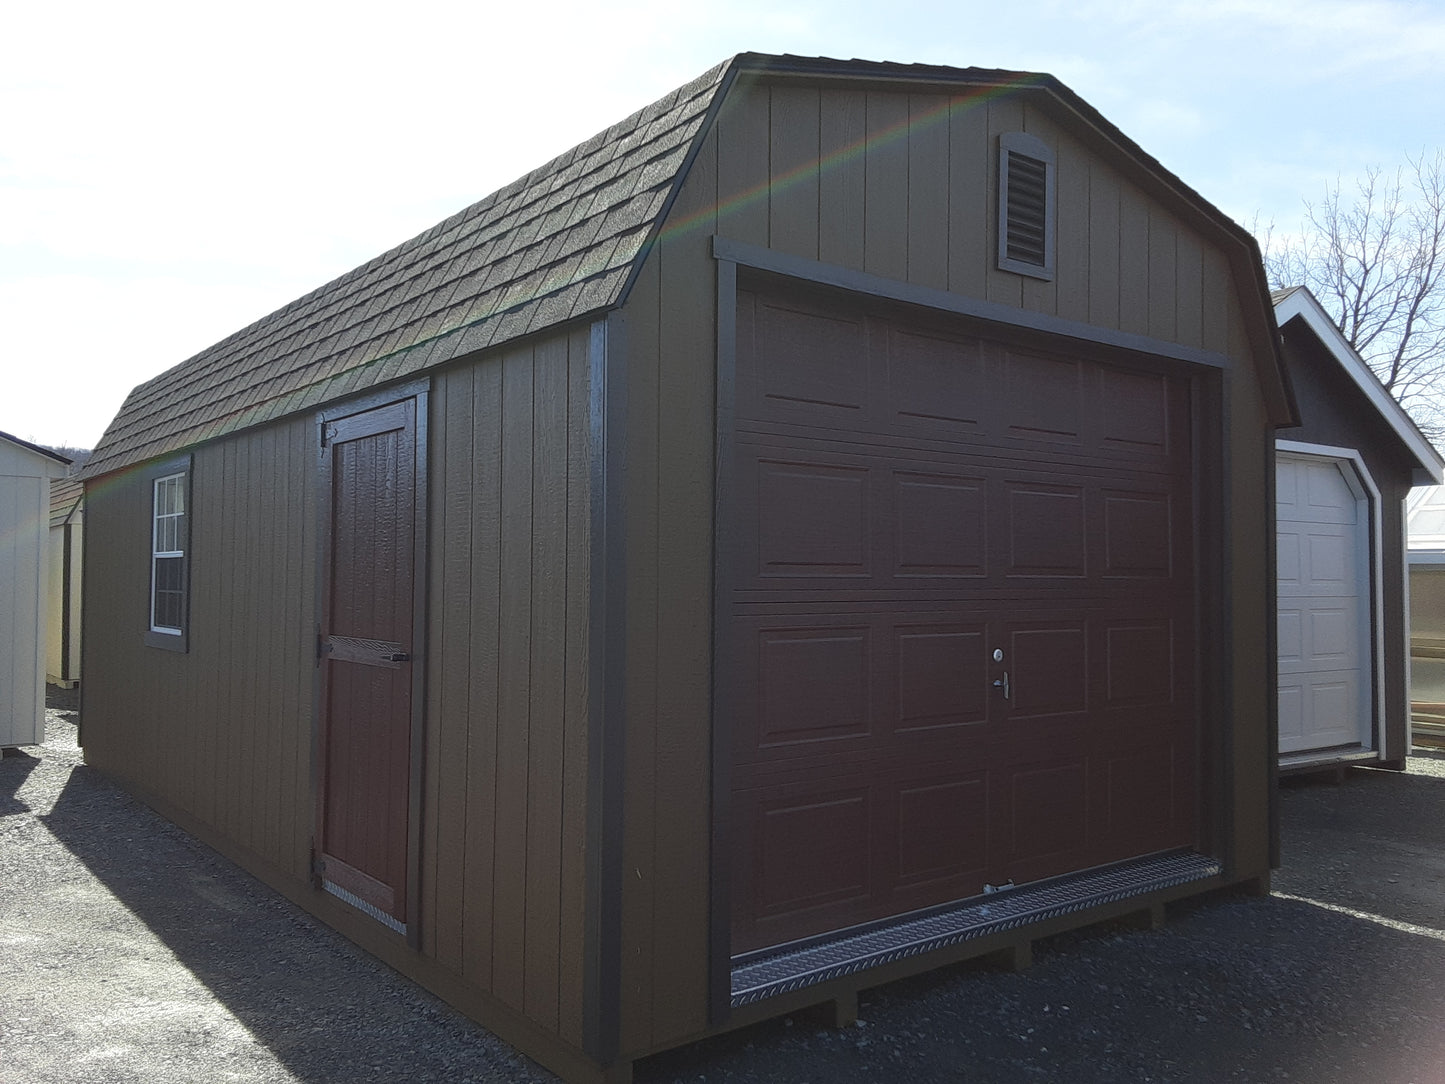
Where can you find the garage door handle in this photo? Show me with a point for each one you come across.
(1002, 683)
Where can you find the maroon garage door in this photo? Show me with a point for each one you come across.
(960, 609)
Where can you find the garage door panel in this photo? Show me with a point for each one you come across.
(879, 545)
(812, 519)
(1139, 664)
(1046, 530)
(1043, 397)
(1047, 813)
(941, 830)
(1325, 581)
(1139, 534)
(1142, 807)
(809, 366)
(813, 683)
(940, 676)
(940, 521)
(1134, 412)
(1050, 670)
(1319, 710)
(935, 385)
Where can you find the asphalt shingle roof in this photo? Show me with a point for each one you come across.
(65, 494)
(552, 246)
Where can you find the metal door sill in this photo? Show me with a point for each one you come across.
(1317, 758)
(770, 972)
(364, 907)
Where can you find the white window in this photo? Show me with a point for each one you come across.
(170, 545)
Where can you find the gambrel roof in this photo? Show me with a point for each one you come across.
(556, 244)
(562, 243)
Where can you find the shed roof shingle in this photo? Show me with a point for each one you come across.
(555, 244)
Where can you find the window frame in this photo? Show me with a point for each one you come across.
(179, 470)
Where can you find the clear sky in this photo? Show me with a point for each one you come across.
(171, 171)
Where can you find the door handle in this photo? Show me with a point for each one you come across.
(1002, 683)
(397, 656)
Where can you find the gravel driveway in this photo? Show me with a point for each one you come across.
(130, 952)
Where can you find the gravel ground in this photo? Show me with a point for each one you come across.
(130, 952)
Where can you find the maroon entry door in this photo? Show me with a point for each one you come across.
(369, 471)
(959, 616)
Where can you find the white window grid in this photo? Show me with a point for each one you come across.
(168, 534)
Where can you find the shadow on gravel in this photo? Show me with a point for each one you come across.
(327, 1011)
(15, 766)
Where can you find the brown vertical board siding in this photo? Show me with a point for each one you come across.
(1105, 192)
(1189, 274)
(641, 813)
(1133, 261)
(1217, 289)
(1041, 295)
(574, 903)
(743, 169)
(1251, 460)
(970, 230)
(221, 722)
(483, 632)
(928, 190)
(424, 909)
(234, 709)
(447, 759)
(1072, 229)
(885, 215)
(793, 171)
(294, 745)
(843, 128)
(208, 608)
(686, 299)
(1163, 275)
(275, 615)
(547, 670)
(1005, 114)
(509, 895)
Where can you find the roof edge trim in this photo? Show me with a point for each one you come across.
(1299, 303)
(719, 94)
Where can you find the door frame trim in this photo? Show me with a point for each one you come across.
(1367, 496)
(418, 392)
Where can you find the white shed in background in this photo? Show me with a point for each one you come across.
(26, 472)
(67, 523)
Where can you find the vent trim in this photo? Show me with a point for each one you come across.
(1026, 204)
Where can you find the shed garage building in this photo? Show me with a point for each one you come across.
(1343, 478)
(678, 588)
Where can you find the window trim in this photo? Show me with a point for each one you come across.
(165, 637)
(1029, 146)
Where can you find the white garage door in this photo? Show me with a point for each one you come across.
(1325, 659)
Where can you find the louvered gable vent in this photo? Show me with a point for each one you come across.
(1027, 187)
(1026, 212)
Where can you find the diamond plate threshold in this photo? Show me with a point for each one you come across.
(759, 975)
